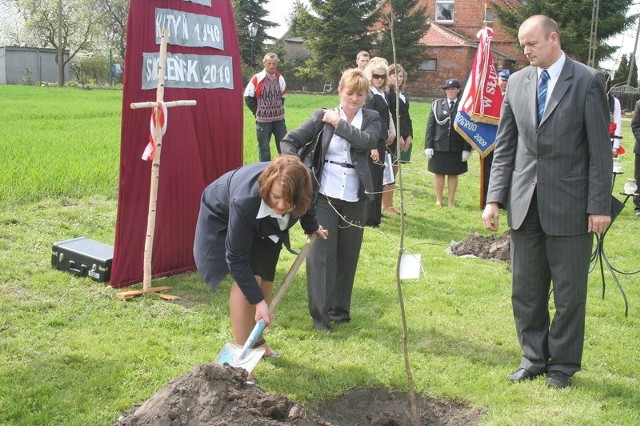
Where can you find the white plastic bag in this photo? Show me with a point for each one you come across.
(388, 177)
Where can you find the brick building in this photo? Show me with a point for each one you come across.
(452, 44)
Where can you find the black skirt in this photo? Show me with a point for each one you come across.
(264, 257)
(447, 163)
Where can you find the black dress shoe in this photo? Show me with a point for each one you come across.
(322, 326)
(522, 374)
(558, 380)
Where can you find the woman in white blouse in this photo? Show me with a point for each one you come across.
(341, 140)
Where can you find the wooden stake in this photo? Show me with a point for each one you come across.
(482, 183)
(155, 175)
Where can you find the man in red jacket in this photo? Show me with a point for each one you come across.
(264, 95)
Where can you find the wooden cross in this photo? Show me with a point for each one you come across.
(155, 174)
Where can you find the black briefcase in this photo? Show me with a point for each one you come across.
(83, 257)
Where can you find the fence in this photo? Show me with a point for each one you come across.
(628, 96)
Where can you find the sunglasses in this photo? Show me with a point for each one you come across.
(378, 76)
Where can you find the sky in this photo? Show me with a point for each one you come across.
(279, 11)
(625, 43)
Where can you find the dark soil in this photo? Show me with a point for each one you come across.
(484, 247)
(215, 395)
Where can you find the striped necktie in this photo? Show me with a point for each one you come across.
(542, 94)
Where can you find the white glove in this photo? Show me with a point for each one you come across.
(465, 155)
(429, 153)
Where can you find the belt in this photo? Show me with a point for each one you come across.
(345, 165)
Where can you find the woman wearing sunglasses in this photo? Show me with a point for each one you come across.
(378, 77)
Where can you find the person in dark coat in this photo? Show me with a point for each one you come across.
(344, 137)
(552, 168)
(245, 217)
(378, 75)
(635, 128)
(403, 126)
(446, 149)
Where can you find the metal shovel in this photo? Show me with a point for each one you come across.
(246, 356)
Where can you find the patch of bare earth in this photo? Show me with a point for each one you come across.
(484, 247)
(215, 395)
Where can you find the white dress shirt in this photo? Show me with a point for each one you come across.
(338, 181)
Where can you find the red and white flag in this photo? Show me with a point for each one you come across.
(482, 99)
(158, 117)
(479, 113)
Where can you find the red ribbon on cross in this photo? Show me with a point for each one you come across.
(158, 117)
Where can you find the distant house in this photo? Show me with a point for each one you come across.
(26, 65)
(451, 44)
(294, 47)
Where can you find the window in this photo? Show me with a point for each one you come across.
(489, 15)
(428, 65)
(444, 11)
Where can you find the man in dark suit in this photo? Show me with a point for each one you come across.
(635, 128)
(554, 175)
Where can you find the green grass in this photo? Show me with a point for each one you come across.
(72, 354)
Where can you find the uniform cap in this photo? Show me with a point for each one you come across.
(452, 82)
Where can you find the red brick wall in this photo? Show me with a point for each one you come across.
(455, 62)
(452, 62)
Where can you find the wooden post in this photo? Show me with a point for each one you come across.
(482, 182)
(155, 173)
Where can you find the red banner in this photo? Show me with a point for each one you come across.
(480, 104)
(200, 143)
(484, 97)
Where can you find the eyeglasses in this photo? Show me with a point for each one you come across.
(378, 76)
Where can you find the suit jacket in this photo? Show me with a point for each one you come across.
(566, 160)
(406, 125)
(635, 128)
(227, 226)
(378, 103)
(362, 142)
(440, 134)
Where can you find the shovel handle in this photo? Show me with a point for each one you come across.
(288, 279)
(255, 333)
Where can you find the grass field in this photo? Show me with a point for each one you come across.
(72, 354)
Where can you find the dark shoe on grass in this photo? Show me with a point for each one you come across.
(558, 380)
(321, 326)
(522, 375)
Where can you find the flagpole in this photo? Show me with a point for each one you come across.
(482, 162)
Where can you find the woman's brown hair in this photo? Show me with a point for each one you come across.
(392, 70)
(353, 80)
(293, 175)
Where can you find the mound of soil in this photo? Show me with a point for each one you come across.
(215, 395)
(484, 247)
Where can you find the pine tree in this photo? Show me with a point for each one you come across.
(335, 32)
(247, 12)
(574, 19)
(410, 23)
(620, 75)
(294, 21)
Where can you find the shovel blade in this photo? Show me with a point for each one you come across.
(232, 354)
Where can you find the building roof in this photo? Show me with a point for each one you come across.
(440, 36)
(293, 39)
